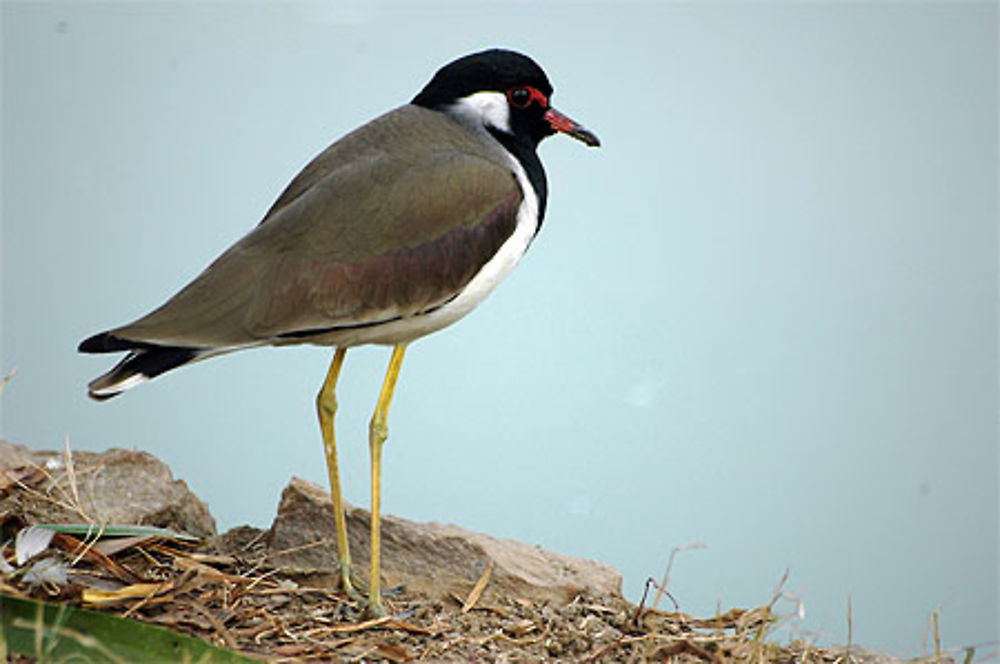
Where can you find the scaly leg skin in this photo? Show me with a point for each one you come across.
(378, 431)
(326, 407)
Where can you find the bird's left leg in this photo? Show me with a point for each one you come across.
(378, 431)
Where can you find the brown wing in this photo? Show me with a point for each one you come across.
(377, 227)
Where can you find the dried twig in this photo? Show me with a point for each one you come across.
(83, 550)
(601, 651)
(687, 646)
(850, 629)
(7, 378)
(662, 587)
(477, 590)
(69, 507)
(937, 636)
(70, 471)
(214, 621)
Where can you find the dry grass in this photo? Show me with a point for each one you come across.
(225, 593)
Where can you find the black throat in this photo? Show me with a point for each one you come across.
(523, 150)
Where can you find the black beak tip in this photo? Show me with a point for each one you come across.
(560, 123)
(589, 138)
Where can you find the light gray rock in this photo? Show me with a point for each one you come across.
(432, 558)
(116, 486)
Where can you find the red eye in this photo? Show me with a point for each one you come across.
(521, 97)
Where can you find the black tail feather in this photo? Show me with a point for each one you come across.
(144, 361)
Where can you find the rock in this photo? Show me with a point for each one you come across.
(130, 487)
(430, 558)
(116, 486)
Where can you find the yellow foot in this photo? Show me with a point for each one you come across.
(347, 586)
(374, 607)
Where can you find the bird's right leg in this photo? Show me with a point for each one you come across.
(326, 407)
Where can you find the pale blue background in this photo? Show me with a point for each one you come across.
(763, 316)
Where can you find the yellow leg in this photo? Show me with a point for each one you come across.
(378, 431)
(326, 407)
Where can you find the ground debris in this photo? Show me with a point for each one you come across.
(230, 597)
(267, 594)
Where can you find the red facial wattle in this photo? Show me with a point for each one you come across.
(524, 96)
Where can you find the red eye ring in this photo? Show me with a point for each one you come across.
(522, 96)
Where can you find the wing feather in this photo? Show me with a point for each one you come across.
(377, 227)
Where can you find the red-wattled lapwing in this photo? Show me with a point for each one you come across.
(393, 232)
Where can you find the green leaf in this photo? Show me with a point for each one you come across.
(88, 530)
(57, 633)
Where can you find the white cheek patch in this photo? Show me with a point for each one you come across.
(487, 108)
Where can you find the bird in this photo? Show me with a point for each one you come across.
(396, 230)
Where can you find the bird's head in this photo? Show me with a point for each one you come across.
(506, 92)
